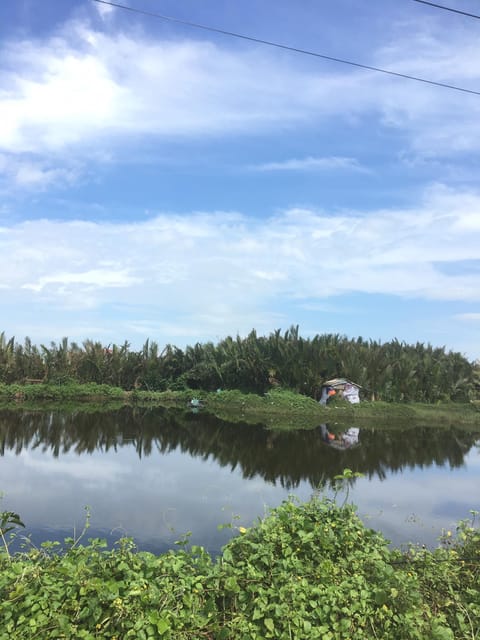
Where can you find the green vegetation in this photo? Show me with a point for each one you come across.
(60, 393)
(306, 571)
(392, 372)
(278, 409)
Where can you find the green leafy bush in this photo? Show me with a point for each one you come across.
(306, 571)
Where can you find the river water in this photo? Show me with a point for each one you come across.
(156, 475)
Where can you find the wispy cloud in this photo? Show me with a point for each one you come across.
(85, 470)
(104, 9)
(34, 174)
(93, 278)
(469, 317)
(71, 89)
(220, 271)
(311, 163)
(83, 85)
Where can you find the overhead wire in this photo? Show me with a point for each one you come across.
(285, 47)
(451, 9)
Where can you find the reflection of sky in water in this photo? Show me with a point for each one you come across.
(159, 498)
(416, 504)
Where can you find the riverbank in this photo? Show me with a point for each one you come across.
(277, 409)
(305, 571)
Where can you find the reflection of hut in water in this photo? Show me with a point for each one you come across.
(341, 388)
(344, 440)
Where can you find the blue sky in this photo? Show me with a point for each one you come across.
(166, 182)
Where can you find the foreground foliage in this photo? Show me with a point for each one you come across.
(306, 571)
(393, 371)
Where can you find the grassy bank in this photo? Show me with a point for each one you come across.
(278, 409)
(305, 571)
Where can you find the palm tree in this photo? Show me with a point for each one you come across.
(7, 358)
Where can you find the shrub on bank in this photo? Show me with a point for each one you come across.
(306, 571)
(69, 391)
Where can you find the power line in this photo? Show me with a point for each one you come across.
(441, 6)
(278, 45)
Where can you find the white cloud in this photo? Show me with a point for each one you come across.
(313, 164)
(24, 173)
(80, 470)
(104, 10)
(94, 278)
(88, 85)
(437, 122)
(219, 271)
(85, 86)
(469, 317)
(55, 100)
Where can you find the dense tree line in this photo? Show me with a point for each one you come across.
(390, 371)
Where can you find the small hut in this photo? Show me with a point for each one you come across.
(342, 388)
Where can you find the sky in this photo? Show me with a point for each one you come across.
(167, 182)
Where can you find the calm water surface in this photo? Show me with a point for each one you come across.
(155, 475)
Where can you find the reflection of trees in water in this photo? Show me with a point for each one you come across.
(287, 458)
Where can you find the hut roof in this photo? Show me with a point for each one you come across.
(339, 382)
